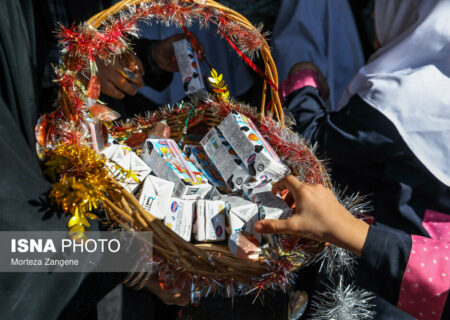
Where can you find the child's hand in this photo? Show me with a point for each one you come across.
(318, 215)
(324, 89)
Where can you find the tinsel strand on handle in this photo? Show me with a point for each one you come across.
(108, 34)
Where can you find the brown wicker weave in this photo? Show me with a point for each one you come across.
(207, 260)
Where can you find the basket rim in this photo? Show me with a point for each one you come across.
(127, 209)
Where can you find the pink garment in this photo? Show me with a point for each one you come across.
(437, 225)
(298, 80)
(426, 280)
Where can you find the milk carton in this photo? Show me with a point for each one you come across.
(271, 206)
(210, 222)
(251, 188)
(225, 159)
(179, 217)
(189, 67)
(242, 216)
(244, 246)
(169, 163)
(155, 196)
(256, 154)
(126, 167)
(201, 160)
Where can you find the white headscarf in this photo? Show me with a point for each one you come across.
(408, 78)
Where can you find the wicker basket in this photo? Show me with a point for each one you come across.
(205, 261)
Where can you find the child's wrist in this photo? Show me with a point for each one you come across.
(350, 234)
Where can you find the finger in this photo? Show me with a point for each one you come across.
(123, 84)
(138, 81)
(279, 186)
(109, 89)
(273, 226)
(290, 182)
(140, 65)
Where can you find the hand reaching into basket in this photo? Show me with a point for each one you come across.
(121, 77)
(318, 215)
(125, 75)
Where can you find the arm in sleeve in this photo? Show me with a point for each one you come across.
(408, 271)
(359, 136)
(383, 261)
(358, 127)
(154, 77)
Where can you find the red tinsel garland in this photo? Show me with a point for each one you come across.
(291, 148)
(81, 42)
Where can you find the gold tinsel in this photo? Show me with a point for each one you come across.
(81, 183)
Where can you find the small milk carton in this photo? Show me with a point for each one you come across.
(109, 151)
(189, 67)
(179, 217)
(249, 189)
(256, 154)
(155, 196)
(169, 163)
(242, 216)
(225, 159)
(201, 160)
(135, 170)
(210, 222)
(271, 206)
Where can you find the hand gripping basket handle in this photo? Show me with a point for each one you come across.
(270, 71)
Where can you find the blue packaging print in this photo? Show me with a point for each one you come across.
(251, 188)
(171, 164)
(201, 160)
(210, 222)
(178, 162)
(180, 216)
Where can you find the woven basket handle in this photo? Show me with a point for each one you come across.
(270, 71)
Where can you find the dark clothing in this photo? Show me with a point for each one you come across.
(48, 15)
(23, 188)
(154, 77)
(26, 92)
(366, 153)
